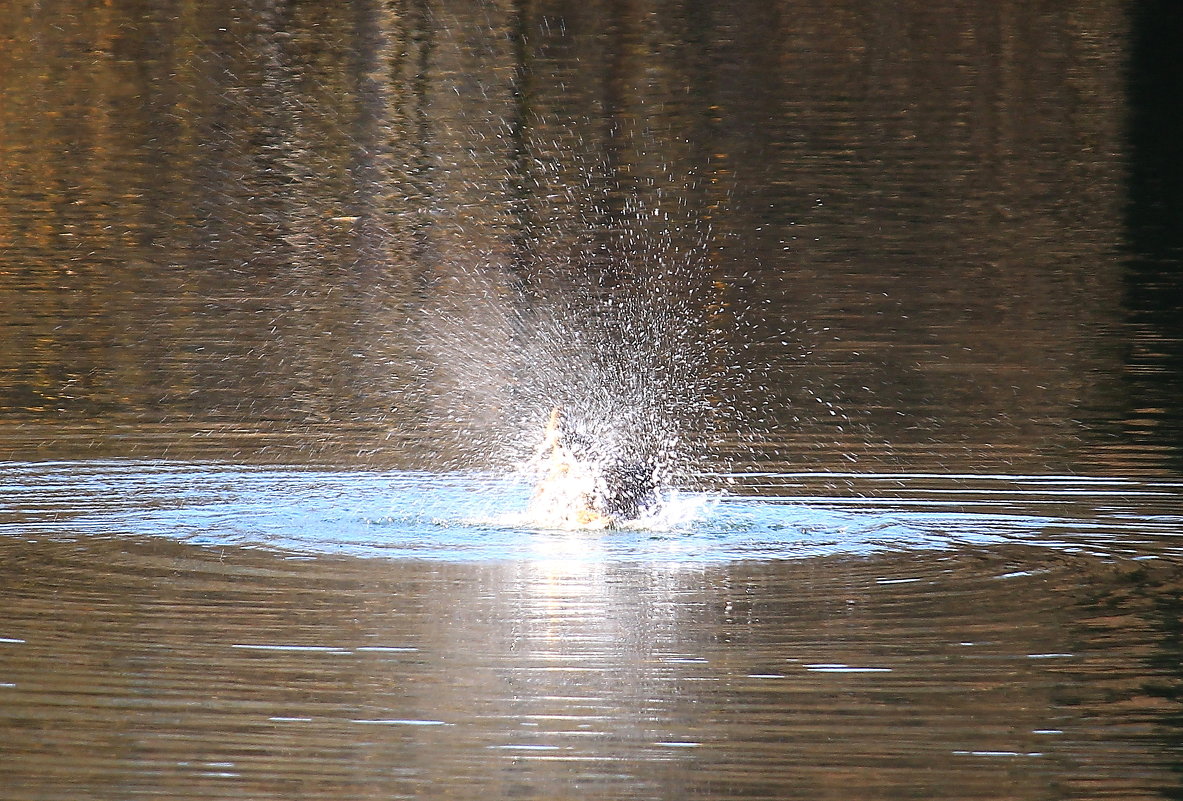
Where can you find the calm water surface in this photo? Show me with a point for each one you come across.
(286, 290)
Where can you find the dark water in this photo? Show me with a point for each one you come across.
(285, 288)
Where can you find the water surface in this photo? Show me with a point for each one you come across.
(287, 290)
(206, 630)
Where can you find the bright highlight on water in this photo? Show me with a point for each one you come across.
(582, 485)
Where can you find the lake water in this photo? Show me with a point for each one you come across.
(892, 292)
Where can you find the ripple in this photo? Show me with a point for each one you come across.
(479, 516)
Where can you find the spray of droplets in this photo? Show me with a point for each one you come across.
(616, 326)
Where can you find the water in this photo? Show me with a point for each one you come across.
(476, 517)
(197, 631)
(891, 293)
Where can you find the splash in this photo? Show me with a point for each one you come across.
(580, 483)
(600, 401)
(583, 483)
(599, 298)
(639, 367)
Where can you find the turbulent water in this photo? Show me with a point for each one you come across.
(887, 296)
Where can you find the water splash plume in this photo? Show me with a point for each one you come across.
(621, 333)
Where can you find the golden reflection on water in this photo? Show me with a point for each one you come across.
(905, 237)
(225, 229)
